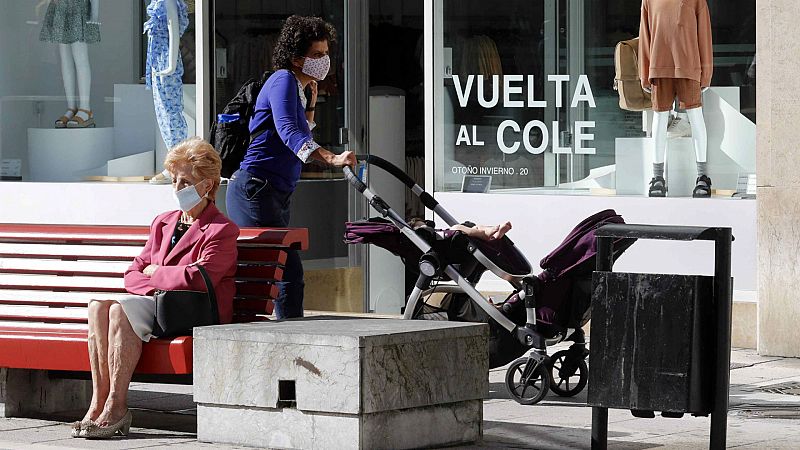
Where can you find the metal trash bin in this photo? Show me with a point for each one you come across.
(660, 350)
(660, 342)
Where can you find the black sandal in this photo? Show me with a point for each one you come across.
(658, 187)
(702, 188)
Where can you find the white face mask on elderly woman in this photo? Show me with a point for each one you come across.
(317, 68)
(187, 198)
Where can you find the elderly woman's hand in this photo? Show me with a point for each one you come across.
(150, 270)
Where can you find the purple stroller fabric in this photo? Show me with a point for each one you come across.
(579, 245)
(384, 234)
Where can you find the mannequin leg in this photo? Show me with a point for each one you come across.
(702, 187)
(84, 117)
(660, 120)
(68, 76)
(658, 187)
(80, 52)
(699, 136)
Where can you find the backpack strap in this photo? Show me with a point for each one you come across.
(258, 132)
(255, 134)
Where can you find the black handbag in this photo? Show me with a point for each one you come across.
(177, 312)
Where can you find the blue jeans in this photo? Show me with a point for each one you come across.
(253, 202)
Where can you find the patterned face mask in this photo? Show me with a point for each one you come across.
(317, 68)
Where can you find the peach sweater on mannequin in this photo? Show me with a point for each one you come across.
(675, 41)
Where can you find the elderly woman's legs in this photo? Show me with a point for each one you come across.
(98, 357)
(124, 349)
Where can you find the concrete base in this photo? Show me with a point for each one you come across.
(32, 393)
(341, 382)
(429, 426)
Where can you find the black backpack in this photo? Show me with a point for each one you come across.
(231, 139)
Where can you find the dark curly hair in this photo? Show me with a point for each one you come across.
(296, 36)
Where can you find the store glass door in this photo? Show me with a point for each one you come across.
(245, 32)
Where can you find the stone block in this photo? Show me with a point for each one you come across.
(32, 393)
(430, 426)
(778, 271)
(341, 382)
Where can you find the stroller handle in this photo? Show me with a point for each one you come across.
(353, 179)
(427, 199)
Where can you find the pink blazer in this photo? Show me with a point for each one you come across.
(210, 240)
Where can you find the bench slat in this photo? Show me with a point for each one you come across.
(58, 267)
(81, 299)
(277, 237)
(255, 254)
(69, 352)
(53, 282)
(10, 326)
(43, 314)
(50, 298)
(73, 252)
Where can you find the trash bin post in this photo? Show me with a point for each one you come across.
(723, 296)
(605, 262)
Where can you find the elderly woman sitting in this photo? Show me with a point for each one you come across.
(197, 233)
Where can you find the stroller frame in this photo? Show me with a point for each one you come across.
(537, 362)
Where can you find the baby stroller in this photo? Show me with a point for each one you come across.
(541, 310)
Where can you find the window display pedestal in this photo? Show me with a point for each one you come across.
(634, 160)
(68, 154)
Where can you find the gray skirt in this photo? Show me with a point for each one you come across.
(141, 312)
(67, 21)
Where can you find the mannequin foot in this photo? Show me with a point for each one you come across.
(82, 119)
(702, 188)
(61, 122)
(658, 187)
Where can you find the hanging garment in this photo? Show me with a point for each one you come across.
(67, 22)
(167, 90)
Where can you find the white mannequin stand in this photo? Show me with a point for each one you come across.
(76, 71)
(174, 53)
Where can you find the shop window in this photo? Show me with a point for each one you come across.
(524, 101)
(87, 59)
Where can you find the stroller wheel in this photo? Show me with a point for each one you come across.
(569, 374)
(527, 381)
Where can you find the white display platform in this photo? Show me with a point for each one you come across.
(634, 157)
(134, 120)
(67, 154)
(133, 165)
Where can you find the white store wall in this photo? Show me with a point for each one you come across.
(541, 222)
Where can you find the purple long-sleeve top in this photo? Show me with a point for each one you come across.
(278, 154)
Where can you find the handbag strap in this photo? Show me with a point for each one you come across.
(212, 296)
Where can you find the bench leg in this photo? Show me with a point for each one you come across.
(32, 393)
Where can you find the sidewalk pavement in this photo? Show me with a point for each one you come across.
(765, 414)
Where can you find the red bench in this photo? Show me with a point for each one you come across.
(49, 273)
